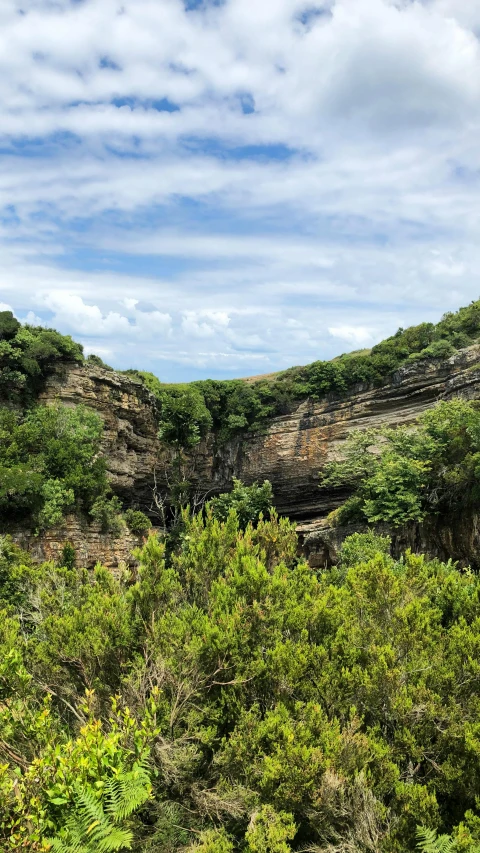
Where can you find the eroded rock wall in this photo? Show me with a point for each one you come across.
(290, 452)
(91, 545)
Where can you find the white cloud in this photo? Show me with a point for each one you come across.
(315, 186)
(94, 349)
(34, 320)
(204, 324)
(352, 334)
(70, 311)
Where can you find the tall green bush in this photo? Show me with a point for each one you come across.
(404, 474)
(260, 705)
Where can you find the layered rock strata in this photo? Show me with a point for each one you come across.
(91, 545)
(290, 452)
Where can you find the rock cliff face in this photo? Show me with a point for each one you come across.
(91, 545)
(291, 451)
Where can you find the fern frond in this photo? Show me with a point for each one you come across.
(429, 842)
(126, 792)
(93, 827)
(117, 839)
(89, 809)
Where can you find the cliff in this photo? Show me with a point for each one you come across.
(290, 452)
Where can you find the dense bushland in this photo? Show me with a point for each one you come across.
(50, 464)
(408, 473)
(233, 699)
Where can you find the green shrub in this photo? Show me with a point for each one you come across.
(269, 831)
(97, 361)
(28, 354)
(57, 499)
(236, 699)
(12, 562)
(437, 349)
(400, 475)
(184, 417)
(137, 521)
(361, 547)
(249, 502)
(9, 326)
(68, 557)
(50, 463)
(106, 511)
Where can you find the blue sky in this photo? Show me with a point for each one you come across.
(225, 189)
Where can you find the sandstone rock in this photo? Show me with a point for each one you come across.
(290, 452)
(91, 545)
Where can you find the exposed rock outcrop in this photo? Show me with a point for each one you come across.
(290, 452)
(91, 545)
(457, 538)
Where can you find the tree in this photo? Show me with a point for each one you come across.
(249, 502)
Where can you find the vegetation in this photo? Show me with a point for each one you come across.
(235, 700)
(230, 407)
(50, 463)
(223, 697)
(404, 474)
(137, 521)
(27, 355)
(249, 502)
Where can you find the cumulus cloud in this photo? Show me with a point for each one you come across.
(72, 313)
(238, 186)
(352, 334)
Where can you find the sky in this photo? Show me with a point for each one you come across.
(215, 189)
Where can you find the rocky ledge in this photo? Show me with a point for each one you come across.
(290, 452)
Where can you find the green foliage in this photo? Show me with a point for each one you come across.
(82, 790)
(269, 831)
(137, 521)
(50, 463)
(249, 502)
(428, 841)
(184, 417)
(212, 841)
(68, 558)
(404, 474)
(12, 591)
(97, 362)
(437, 349)
(27, 355)
(231, 698)
(56, 500)
(362, 547)
(106, 511)
(234, 406)
(100, 825)
(9, 326)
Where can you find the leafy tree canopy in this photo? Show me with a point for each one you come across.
(404, 474)
(27, 355)
(49, 462)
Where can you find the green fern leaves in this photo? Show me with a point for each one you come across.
(429, 842)
(96, 826)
